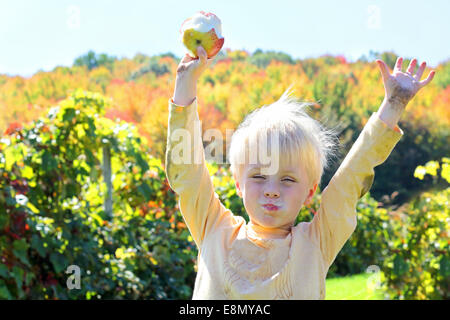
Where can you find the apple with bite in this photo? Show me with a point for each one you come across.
(202, 29)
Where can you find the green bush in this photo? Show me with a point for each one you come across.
(154, 66)
(263, 59)
(418, 266)
(92, 60)
(52, 211)
(368, 245)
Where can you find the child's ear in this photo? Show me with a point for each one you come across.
(310, 194)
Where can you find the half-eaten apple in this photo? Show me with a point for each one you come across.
(202, 29)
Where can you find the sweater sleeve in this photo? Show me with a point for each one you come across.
(335, 220)
(188, 175)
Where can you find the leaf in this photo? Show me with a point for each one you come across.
(27, 172)
(9, 199)
(28, 278)
(4, 219)
(141, 162)
(90, 157)
(80, 131)
(444, 266)
(20, 248)
(145, 190)
(48, 162)
(59, 262)
(4, 272)
(4, 292)
(400, 266)
(36, 243)
(10, 157)
(68, 115)
(18, 276)
(32, 207)
(70, 190)
(97, 218)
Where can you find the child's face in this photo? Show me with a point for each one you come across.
(288, 189)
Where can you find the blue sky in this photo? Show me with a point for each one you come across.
(42, 34)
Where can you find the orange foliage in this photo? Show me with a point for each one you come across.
(13, 127)
(227, 91)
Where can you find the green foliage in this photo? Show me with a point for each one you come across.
(418, 145)
(390, 58)
(92, 60)
(368, 244)
(142, 58)
(431, 168)
(52, 212)
(263, 59)
(152, 65)
(442, 78)
(418, 265)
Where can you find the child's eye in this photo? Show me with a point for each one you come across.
(258, 177)
(262, 177)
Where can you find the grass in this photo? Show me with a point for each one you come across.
(353, 287)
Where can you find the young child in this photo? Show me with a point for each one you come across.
(270, 257)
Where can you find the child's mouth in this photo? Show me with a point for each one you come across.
(270, 207)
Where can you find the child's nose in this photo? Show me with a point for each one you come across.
(271, 189)
(272, 194)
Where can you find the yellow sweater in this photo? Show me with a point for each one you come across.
(242, 261)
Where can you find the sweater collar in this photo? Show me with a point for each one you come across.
(261, 234)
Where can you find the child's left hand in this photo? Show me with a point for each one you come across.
(400, 87)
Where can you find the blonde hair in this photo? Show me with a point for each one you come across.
(301, 139)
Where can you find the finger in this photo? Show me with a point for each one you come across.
(201, 54)
(398, 64)
(187, 58)
(411, 66)
(383, 68)
(430, 77)
(420, 71)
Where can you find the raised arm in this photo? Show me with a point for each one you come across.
(400, 87)
(188, 72)
(335, 221)
(186, 169)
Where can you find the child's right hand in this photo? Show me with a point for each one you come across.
(193, 68)
(188, 72)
